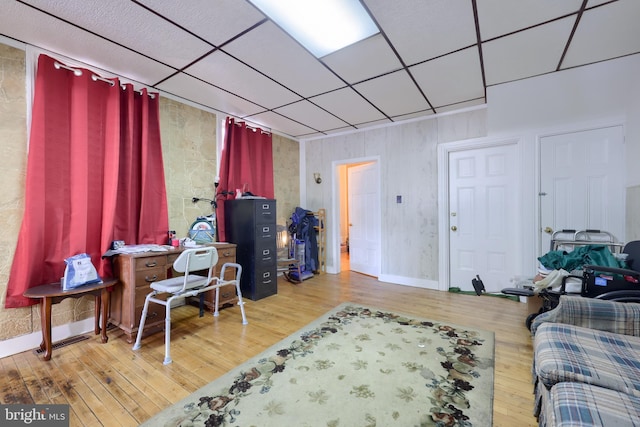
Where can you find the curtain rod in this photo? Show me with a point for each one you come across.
(253, 128)
(77, 72)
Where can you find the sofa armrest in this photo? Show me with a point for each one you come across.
(610, 316)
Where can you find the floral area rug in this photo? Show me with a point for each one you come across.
(354, 366)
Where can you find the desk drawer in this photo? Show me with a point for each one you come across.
(155, 314)
(151, 262)
(225, 254)
(144, 277)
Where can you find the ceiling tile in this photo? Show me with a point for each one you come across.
(216, 23)
(424, 29)
(282, 124)
(452, 78)
(47, 33)
(128, 24)
(596, 39)
(348, 105)
(521, 14)
(190, 88)
(237, 78)
(277, 55)
(528, 53)
(311, 115)
(259, 68)
(395, 94)
(368, 58)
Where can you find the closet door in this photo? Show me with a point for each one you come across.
(582, 182)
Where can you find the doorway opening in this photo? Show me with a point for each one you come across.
(357, 209)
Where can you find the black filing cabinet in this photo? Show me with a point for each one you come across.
(251, 224)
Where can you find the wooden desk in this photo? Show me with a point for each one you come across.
(52, 293)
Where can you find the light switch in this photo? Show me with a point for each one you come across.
(398, 199)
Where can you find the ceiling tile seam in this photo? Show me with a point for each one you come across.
(573, 31)
(320, 107)
(262, 73)
(302, 98)
(530, 27)
(598, 61)
(95, 34)
(289, 118)
(161, 16)
(181, 70)
(454, 103)
(226, 90)
(479, 43)
(395, 52)
(215, 48)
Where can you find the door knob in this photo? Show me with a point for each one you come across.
(548, 230)
(454, 228)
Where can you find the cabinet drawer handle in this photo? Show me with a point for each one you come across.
(228, 253)
(151, 315)
(151, 264)
(151, 279)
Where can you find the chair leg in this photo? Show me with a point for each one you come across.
(167, 332)
(241, 303)
(143, 318)
(216, 312)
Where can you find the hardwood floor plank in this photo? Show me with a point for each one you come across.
(110, 384)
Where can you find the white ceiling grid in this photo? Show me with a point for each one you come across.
(431, 56)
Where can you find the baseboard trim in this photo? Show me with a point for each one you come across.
(409, 281)
(31, 341)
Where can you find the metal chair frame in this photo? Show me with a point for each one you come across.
(190, 285)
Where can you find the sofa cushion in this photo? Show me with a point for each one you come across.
(610, 316)
(575, 354)
(577, 404)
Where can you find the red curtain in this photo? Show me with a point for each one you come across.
(246, 164)
(94, 174)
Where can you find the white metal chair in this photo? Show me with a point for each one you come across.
(189, 285)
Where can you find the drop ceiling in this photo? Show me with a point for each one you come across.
(431, 56)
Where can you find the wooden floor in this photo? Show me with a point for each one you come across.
(111, 385)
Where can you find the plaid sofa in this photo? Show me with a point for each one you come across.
(587, 363)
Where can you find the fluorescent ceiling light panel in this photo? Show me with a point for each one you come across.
(322, 26)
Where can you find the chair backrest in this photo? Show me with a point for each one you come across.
(196, 259)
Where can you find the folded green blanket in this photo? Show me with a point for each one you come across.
(582, 255)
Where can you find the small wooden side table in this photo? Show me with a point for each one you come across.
(52, 293)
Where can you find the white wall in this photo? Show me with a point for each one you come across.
(586, 97)
(408, 167)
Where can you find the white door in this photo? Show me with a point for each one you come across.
(582, 183)
(364, 218)
(483, 207)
